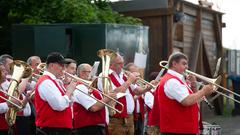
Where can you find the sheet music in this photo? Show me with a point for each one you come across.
(94, 69)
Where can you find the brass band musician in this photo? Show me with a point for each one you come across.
(52, 100)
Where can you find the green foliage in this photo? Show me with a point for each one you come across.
(65, 11)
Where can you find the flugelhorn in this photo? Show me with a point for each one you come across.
(214, 82)
(19, 70)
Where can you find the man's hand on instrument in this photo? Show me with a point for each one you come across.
(209, 89)
(131, 77)
(154, 82)
(112, 95)
(70, 88)
(192, 81)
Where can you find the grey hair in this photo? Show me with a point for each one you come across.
(81, 67)
(4, 57)
(29, 60)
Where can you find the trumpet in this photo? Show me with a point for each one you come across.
(88, 84)
(141, 82)
(214, 82)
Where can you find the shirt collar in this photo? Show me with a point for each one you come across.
(115, 74)
(172, 72)
(50, 75)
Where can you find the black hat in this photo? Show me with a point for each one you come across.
(56, 57)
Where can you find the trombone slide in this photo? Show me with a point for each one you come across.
(86, 83)
(214, 82)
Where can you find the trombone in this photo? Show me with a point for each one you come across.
(214, 82)
(41, 67)
(88, 84)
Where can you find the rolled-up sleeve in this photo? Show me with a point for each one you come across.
(175, 90)
(148, 99)
(83, 99)
(49, 92)
(3, 107)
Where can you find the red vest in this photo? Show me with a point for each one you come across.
(149, 111)
(45, 115)
(3, 123)
(153, 115)
(83, 117)
(174, 117)
(123, 114)
(141, 106)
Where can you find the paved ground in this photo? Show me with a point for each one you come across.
(229, 125)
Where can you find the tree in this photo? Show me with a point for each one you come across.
(65, 11)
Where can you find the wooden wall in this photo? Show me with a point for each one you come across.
(199, 36)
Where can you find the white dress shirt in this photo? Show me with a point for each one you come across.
(3, 105)
(82, 98)
(174, 89)
(27, 109)
(5, 85)
(129, 97)
(86, 101)
(149, 98)
(49, 92)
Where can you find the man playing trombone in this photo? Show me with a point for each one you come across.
(90, 116)
(52, 100)
(177, 101)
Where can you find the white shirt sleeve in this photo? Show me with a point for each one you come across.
(99, 83)
(148, 99)
(49, 92)
(3, 107)
(175, 90)
(82, 98)
(133, 86)
(27, 110)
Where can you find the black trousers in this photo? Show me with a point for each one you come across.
(175, 134)
(3, 132)
(53, 131)
(138, 125)
(90, 130)
(22, 125)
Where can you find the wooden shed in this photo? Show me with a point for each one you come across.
(176, 25)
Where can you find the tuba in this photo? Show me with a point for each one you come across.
(19, 70)
(107, 55)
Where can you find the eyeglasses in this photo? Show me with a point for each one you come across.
(87, 71)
